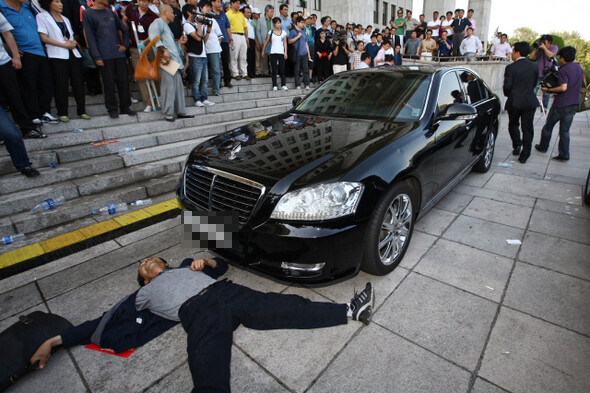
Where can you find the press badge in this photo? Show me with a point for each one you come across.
(140, 29)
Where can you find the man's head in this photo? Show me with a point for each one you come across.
(449, 15)
(521, 49)
(421, 18)
(435, 16)
(216, 5)
(255, 13)
(333, 25)
(314, 18)
(567, 54)
(326, 20)
(400, 14)
(547, 39)
(408, 14)
(247, 11)
(444, 35)
(374, 39)
(234, 5)
(414, 34)
(428, 34)
(149, 268)
(461, 13)
(369, 30)
(470, 13)
(188, 10)
(299, 22)
(284, 10)
(457, 13)
(360, 46)
(166, 13)
(469, 31)
(379, 38)
(386, 45)
(269, 11)
(503, 38)
(366, 58)
(143, 5)
(294, 16)
(397, 49)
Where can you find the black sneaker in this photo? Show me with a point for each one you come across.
(361, 305)
(129, 112)
(29, 171)
(33, 134)
(114, 115)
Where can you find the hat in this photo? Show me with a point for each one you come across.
(306, 15)
(255, 10)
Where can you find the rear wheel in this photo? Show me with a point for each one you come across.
(390, 230)
(485, 161)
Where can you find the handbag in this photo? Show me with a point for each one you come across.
(267, 49)
(87, 60)
(584, 100)
(146, 70)
(20, 341)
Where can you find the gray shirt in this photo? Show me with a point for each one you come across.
(165, 294)
(412, 46)
(161, 29)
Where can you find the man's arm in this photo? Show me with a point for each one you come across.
(507, 87)
(124, 31)
(558, 89)
(15, 54)
(91, 38)
(292, 40)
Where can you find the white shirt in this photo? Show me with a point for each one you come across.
(362, 65)
(276, 43)
(4, 27)
(446, 25)
(190, 28)
(470, 45)
(251, 34)
(47, 25)
(212, 45)
(154, 9)
(500, 49)
(434, 23)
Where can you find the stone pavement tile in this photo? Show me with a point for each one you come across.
(476, 179)
(534, 188)
(95, 268)
(382, 285)
(532, 169)
(295, 357)
(525, 354)
(556, 171)
(57, 266)
(485, 235)
(556, 254)
(448, 321)
(482, 386)
(475, 271)
(108, 373)
(561, 225)
(246, 377)
(419, 244)
(380, 361)
(499, 212)
(59, 375)
(19, 299)
(148, 231)
(435, 221)
(454, 202)
(552, 296)
(563, 208)
(497, 195)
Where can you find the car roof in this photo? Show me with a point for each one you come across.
(425, 69)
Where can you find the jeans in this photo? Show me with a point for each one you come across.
(213, 65)
(14, 141)
(565, 117)
(302, 65)
(198, 72)
(211, 318)
(546, 96)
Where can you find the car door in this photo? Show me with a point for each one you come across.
(478, 96)
(451, 136)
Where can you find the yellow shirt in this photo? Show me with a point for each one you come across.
(237, 21)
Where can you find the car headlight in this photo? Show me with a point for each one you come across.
(320, 202)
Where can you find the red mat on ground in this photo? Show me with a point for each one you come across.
(124, 354)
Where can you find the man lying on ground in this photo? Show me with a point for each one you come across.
(209, 311)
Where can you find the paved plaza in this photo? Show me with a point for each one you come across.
(464, 312)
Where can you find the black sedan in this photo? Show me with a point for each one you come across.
(336, 184)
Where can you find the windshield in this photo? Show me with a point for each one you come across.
(391, 96)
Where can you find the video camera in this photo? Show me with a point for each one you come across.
(204, 19)
(339, 36)
(551, 74)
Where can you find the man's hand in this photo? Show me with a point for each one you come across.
(43, 353)
(121, 48)
(100, 63)
(199, 264)
(545, 89)
(165, 56)
(16, 64)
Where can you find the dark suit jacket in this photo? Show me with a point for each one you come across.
(520, 80)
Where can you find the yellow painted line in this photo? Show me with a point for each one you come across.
(34, 250)
(132, 217)
(62, 241)
(20, 254)
(100, 228)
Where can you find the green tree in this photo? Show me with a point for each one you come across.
(523, 34)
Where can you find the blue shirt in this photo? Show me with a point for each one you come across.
(24, 28)
(570, 74)
(442, 48)
(102, 33)
(223, 23)
(299, 45)
(285, 23)
(372, 50)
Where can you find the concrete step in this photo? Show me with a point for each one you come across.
(39, 159)
(24, 201)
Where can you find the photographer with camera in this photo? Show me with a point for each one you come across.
(543, 51)
(340, 52)
(565, 104)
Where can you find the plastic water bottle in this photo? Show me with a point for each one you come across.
(142, 202)
(78, 130)
(49, 204)
(53, 165)
(111, 208)
(231, 47)
(13, 238)
(128, 149)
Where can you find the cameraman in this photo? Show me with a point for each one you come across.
(542, 53)
(564, 105)
(340, 53)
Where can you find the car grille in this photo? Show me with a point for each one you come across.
(214, 190)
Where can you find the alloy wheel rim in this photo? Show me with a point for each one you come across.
(489, 149)
(395, 229)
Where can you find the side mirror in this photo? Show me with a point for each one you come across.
(458, 112)
(296, 101)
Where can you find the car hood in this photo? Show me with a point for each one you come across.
(297, 149)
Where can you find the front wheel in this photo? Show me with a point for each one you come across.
(389, 230)
(485, 162)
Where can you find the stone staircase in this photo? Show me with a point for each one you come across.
(90, 177)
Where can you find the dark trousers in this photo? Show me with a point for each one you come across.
(211, 318)
(521, 119)
(457, 39)
(92, 81)
(225, 59)
(302, 65)
(565, 117)
(36, 84)
(65, 71)
(10, 90)
(277, 64)
(14, 142)
(323, 68)
(116, 71)
(251, 58)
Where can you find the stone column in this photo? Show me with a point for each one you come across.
(442, 6)
(481, 16)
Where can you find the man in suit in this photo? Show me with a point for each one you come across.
(520, 79)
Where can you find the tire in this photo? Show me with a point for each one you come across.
(485, 162)
(587, 190)
(392, 224)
